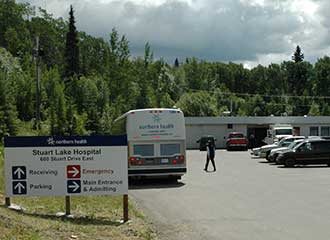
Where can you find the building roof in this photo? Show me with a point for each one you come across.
(258, 120)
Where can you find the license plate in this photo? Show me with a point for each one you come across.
(149, 161)
(164, 160)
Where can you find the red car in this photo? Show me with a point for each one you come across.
(236, 140)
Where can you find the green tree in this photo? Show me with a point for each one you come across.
(298, 77)
(76, 122)
(193, 74)
(314, 109)
(298, 56)
(72, 48)
(8, 113)
(274, 80)
(14, 34)
(258, 80)
(57, 106)
(51, 34)
(9, 72)
(325, 111)
(120, 67)
(94, 55)
(240, 78)
(144, 81)
(321, 81)
(199, 104)
(176, 63)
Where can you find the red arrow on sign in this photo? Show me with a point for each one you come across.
(73, 171)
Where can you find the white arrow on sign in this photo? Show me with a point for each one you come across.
(75, 171)
(18, 172)
(75, 186)
(20, 186)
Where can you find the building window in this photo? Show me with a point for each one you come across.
(313, 131)
(230, 126)
(325, 131)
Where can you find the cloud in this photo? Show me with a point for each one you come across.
(247, 31)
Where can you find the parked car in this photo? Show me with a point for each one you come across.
(265, 150)
(204, 139)
(236, 140)
(310, 151)
(275, 152)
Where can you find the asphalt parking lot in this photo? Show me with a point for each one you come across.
(247, 198)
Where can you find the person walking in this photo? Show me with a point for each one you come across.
(210, 148)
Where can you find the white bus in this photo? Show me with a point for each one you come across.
(156, 142)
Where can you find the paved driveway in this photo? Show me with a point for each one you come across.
(246, 198)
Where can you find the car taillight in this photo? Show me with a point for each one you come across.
(135, 161)
(132, 160)
(174, 161)
(179, 159)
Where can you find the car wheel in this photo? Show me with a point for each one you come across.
(267, 155)
(289, 162)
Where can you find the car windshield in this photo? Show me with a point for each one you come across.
(284, 143)
(236, 135)
(279, 143)
(293, 144)
(298, 145)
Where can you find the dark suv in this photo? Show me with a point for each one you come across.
(310, 151)
(203, 140)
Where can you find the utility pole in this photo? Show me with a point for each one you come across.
(37, 53)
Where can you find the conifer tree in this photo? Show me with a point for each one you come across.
(176, 63)
(298, 56)
(71, 48)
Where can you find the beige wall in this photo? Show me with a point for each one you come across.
(194, 132)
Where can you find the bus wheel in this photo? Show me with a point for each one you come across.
(289, 162)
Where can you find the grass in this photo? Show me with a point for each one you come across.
(95, 217)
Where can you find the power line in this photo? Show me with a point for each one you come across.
(262, 95)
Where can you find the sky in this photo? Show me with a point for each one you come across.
(250, 32)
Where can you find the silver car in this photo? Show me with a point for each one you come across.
(265, 150)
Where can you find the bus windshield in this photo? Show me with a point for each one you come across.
(283, 131)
